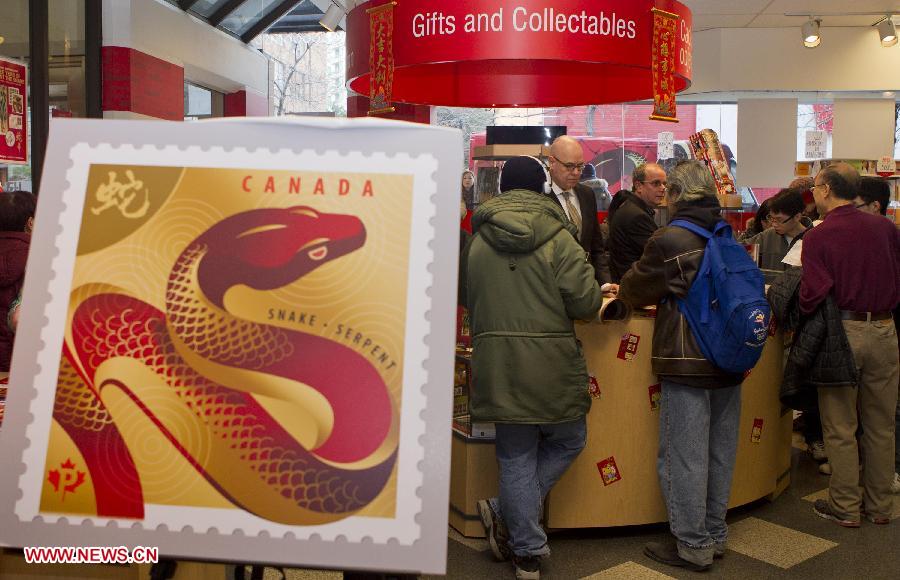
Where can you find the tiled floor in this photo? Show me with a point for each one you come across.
(769, 540)
(774, 544)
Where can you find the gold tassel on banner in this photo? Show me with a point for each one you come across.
(381, 58)
(662, 63)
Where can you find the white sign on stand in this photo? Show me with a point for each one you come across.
(665, 145)
(886, 166)
(816, 144)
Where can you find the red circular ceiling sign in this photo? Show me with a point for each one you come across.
(490, 53)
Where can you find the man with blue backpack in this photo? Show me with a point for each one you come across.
(711, 325)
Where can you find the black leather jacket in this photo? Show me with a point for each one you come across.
(820, 355)
(664, 273)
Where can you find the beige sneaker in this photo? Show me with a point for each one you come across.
(817, 450)
(494, 530)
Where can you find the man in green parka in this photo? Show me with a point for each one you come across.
(527, 281)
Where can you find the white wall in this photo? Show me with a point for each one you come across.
(210, 57)
(774, 59)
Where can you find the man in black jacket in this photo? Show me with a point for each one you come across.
(631, 220)
(579, 204)
(701, 404)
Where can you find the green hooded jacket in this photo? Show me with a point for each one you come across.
(527, 280)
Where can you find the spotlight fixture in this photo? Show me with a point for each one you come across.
(332, 17)
(810, 30)
(887, 32)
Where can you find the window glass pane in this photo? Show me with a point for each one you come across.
(897, 132)
(309, 72)
(248, 14)
(814, 117)
(207, 8)
(197, 101)
(67, 94)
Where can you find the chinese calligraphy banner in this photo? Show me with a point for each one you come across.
(662, 65)
(238, 346)
(13, 113)
(381, 58)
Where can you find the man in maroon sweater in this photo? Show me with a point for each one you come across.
(855, 258)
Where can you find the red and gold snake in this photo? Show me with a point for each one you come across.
(216, 366)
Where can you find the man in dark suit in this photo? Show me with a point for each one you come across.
(579, 204)
(631, 217)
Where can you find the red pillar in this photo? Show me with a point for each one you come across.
(246, 104)
(135, 82)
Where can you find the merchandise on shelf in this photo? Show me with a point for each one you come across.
(462, 385)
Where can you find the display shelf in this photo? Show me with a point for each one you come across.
(865, 167)
(505, 152)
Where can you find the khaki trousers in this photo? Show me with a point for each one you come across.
(874, 346)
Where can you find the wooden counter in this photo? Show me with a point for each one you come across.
(623, 426)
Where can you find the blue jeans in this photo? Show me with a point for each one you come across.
(698, 431)
(531, 459)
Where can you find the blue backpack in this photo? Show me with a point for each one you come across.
(726, 306)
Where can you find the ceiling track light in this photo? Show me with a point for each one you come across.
(810, 31)
(332, 17)
(887, 32)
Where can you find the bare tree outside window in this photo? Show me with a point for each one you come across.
(309, 72)
(469, 121)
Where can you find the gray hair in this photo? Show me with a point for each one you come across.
(690, 181)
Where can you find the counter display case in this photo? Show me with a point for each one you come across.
(613, 482)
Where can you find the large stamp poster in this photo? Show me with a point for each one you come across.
(238, 345)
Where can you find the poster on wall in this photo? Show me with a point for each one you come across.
(239, 347)
(13, 112)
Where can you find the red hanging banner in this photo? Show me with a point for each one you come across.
(13, 113)
(662, 65)
(381, 58)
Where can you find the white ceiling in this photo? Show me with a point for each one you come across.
(771, 13)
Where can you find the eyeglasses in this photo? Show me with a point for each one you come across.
(656, 183)
(819, 185)
(863, 204)
(779, 221)
(570, 166)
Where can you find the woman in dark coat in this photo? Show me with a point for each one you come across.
(16, 223)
